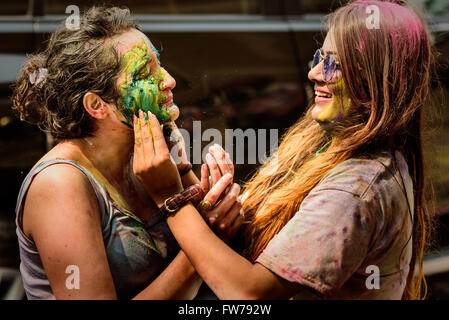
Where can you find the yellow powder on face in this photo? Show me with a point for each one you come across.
(339, 105)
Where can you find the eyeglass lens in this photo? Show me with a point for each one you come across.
(316, 58)
(328, 65)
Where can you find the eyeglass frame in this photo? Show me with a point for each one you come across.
(326, 64)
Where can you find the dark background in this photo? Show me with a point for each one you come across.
(238, 64)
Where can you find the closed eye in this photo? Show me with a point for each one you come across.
(143, 73)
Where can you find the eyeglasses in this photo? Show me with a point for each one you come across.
(330, 64)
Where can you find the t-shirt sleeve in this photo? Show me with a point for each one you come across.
(324, 243)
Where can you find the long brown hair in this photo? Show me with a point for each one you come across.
(388, 90)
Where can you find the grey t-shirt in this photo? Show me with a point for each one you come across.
(355, 222)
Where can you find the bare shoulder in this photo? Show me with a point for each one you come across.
(60, 179)
(60, 189)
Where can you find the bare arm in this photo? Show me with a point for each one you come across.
(228, 274)
(67, 231)
(178, 281)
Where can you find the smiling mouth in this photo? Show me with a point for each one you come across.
(323, 94)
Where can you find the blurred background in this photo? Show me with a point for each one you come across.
(238, 64)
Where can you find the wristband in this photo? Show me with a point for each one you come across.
(184, 171)
(171, 205)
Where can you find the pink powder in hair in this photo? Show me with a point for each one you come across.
(404, 23)
(361, 45)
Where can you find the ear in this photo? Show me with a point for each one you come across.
(95, 106)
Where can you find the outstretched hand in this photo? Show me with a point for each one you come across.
(224, 216)
(218, 163)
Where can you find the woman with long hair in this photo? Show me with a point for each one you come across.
(87, 229)
(340, 211)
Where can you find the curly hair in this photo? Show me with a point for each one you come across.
(77, 62)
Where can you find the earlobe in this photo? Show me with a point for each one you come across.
(95, 106)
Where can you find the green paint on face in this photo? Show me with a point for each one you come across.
(338, 107)
(140, 91)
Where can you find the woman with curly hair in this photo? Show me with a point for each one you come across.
(345, 194)
(87, 229)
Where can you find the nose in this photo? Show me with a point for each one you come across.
(315, 74)
(168, 82)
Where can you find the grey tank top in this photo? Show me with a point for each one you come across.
(137, 251)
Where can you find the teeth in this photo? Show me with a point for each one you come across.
(322, 94)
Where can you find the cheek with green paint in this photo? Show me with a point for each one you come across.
(338, 108)
(140, 91)
(143, 95)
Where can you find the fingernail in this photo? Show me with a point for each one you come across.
(228, 175)
(140, 113)
(135, 119)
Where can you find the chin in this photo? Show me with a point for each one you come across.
(317, 108)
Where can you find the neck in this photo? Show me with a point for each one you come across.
(109, 154)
